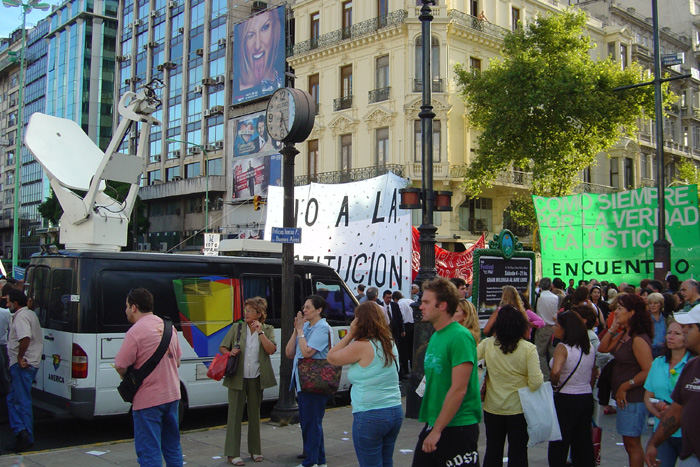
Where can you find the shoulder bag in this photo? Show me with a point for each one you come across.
(561, 386)
(133, 378)
(232, 363)
(318, 376)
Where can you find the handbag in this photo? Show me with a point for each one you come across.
(540, 414)
(217, 367)
(232, 363)
(133, 378)
(318, 376)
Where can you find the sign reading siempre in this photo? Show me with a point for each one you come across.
(611, 236)
(356, 228)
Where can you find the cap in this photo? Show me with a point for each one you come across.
(689, 317)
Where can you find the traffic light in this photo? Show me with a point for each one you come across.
(256, 202)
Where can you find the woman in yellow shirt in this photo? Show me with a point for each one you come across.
(512, 363)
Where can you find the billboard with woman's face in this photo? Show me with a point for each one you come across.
(259, 55)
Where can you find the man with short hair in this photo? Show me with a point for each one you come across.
(547, 308)
(406, 349)
(394, 318)
(361, 297)
(690, 293)
(373, 295)
(451, 406)
(571, 288)
(461, 285)
(684, 412)
(24, 348)
(156, 403)
(558, 287)
(415, 289)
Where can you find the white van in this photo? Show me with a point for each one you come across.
(80, 300)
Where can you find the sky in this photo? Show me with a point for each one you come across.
(11, 18)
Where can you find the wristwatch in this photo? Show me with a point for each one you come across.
(631, 381)
(261, 333)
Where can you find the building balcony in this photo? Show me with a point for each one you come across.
(378, 95)
(352, 175)
(342, 103)
(441, 170)
(356, 31)
(474, 24)
(587, 187)
(437, 85)
(184, 187)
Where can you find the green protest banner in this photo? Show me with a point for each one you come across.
(611, 236)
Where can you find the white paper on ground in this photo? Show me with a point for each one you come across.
(405, 451)
(216, 457)
(345, 439)
(97, 453)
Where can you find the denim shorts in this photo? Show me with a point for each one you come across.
(632, 420)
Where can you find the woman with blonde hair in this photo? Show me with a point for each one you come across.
(255, 342)
(655, 305)
(467, 316)
(376, 398)
(510, 296)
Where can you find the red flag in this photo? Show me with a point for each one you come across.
(448, 263)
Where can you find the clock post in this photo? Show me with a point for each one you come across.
(290, 118)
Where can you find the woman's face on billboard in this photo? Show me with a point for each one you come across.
(258, 44)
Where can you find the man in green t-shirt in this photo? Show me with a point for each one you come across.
(451, 407)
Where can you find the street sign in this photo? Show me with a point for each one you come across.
(286, 235)
(211, 244)
(671, 59)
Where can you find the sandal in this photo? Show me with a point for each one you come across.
(235, 461)
(257, 457)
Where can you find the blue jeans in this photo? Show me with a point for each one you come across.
(19, 399)
(312, 407)
(668, 451)
(156, 431)
(374, 434)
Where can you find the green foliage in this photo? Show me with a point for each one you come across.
(688, 174)
(51, 209)
(546, 105)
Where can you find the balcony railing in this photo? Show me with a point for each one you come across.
(378, 95)
(436, 85)
(472, 22)
(355, 31)
(342, 103)
(586, 187)
(352, 175)
(507, 177)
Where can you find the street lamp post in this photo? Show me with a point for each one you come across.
(26, 8)
(206, 178)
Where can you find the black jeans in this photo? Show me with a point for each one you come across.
(457, 447)
(605, 383)
(497, 428)
(575, 415)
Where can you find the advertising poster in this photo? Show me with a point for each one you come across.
(258, 55)
(253, 175)
(250, 137)
(495, 272)
(611, 236)
(356, 228)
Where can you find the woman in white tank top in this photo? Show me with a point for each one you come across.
(572, 366)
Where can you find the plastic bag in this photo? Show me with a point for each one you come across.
(540, 414)
(217, 367)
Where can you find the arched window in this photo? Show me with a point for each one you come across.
(434, 64)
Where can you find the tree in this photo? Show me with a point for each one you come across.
(688, 174)
(547, 106)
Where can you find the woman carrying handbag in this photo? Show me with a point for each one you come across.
(572, 366)
(310, 340)
(252, 342)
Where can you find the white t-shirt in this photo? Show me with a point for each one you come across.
(5, 317)
(251, 363)
(25, 324)
(406, 310)
(547, 307)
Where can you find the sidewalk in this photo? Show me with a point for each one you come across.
(281, 445)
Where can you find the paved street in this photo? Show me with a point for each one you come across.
(204, 447)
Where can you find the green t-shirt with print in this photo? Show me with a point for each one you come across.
(447, 348)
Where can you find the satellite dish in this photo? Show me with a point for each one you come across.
(53, 141)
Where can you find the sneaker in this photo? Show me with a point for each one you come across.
(24, 441)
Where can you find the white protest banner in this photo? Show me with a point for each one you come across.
(356, 228)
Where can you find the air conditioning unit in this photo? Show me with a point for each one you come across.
(153, 44)
(120, 58)
(156, 158)
(199, 52)
(221, 79)
(172, 4)
(217, 109)
(154, 14)
(196, 149)
(207, 112)
(258, 6)
(169, 65)
(177, 178)
(219, 145)
(163, 246)
(145, 46)
(181, 29)
(206, 81)
(137, 22)
(160, 67)
(191, 150)
(176, 153)
(127, 81)
(222, 42)
(198, 89)
(211, 147)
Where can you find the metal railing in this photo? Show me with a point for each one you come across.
(352, 175)
(342, 103)
(476, 24)
(355, 31)
(378, 95)
(437, 85)
(587, 187)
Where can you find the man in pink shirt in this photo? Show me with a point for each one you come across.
(155, 406)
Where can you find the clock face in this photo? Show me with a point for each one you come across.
(280, 114)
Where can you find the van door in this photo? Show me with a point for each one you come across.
(58, 338)
(37, 280)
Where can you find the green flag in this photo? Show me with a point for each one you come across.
(611, 236)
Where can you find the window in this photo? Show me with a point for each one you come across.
(215, 167)
(382, 146)
(623, 56)
(347, 19)
(611, 50)
(418, 142)
(382, 72)
(614, 173)
(345, 153)
(514, 18)
(341, 307)
(475, 215)
(346, 81)
(312, 162)
(315, 29)
(629, 172)
(474, 7)
(644, 165)
(154, 176)
(587, 175)
(434, 65)
(192, 170)
(475, 65)
(171, 173)
(314, 89)
(382, 10)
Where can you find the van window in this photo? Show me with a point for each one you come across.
(270, 288)
(341, 306)
(38, 280)
(59, 301)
